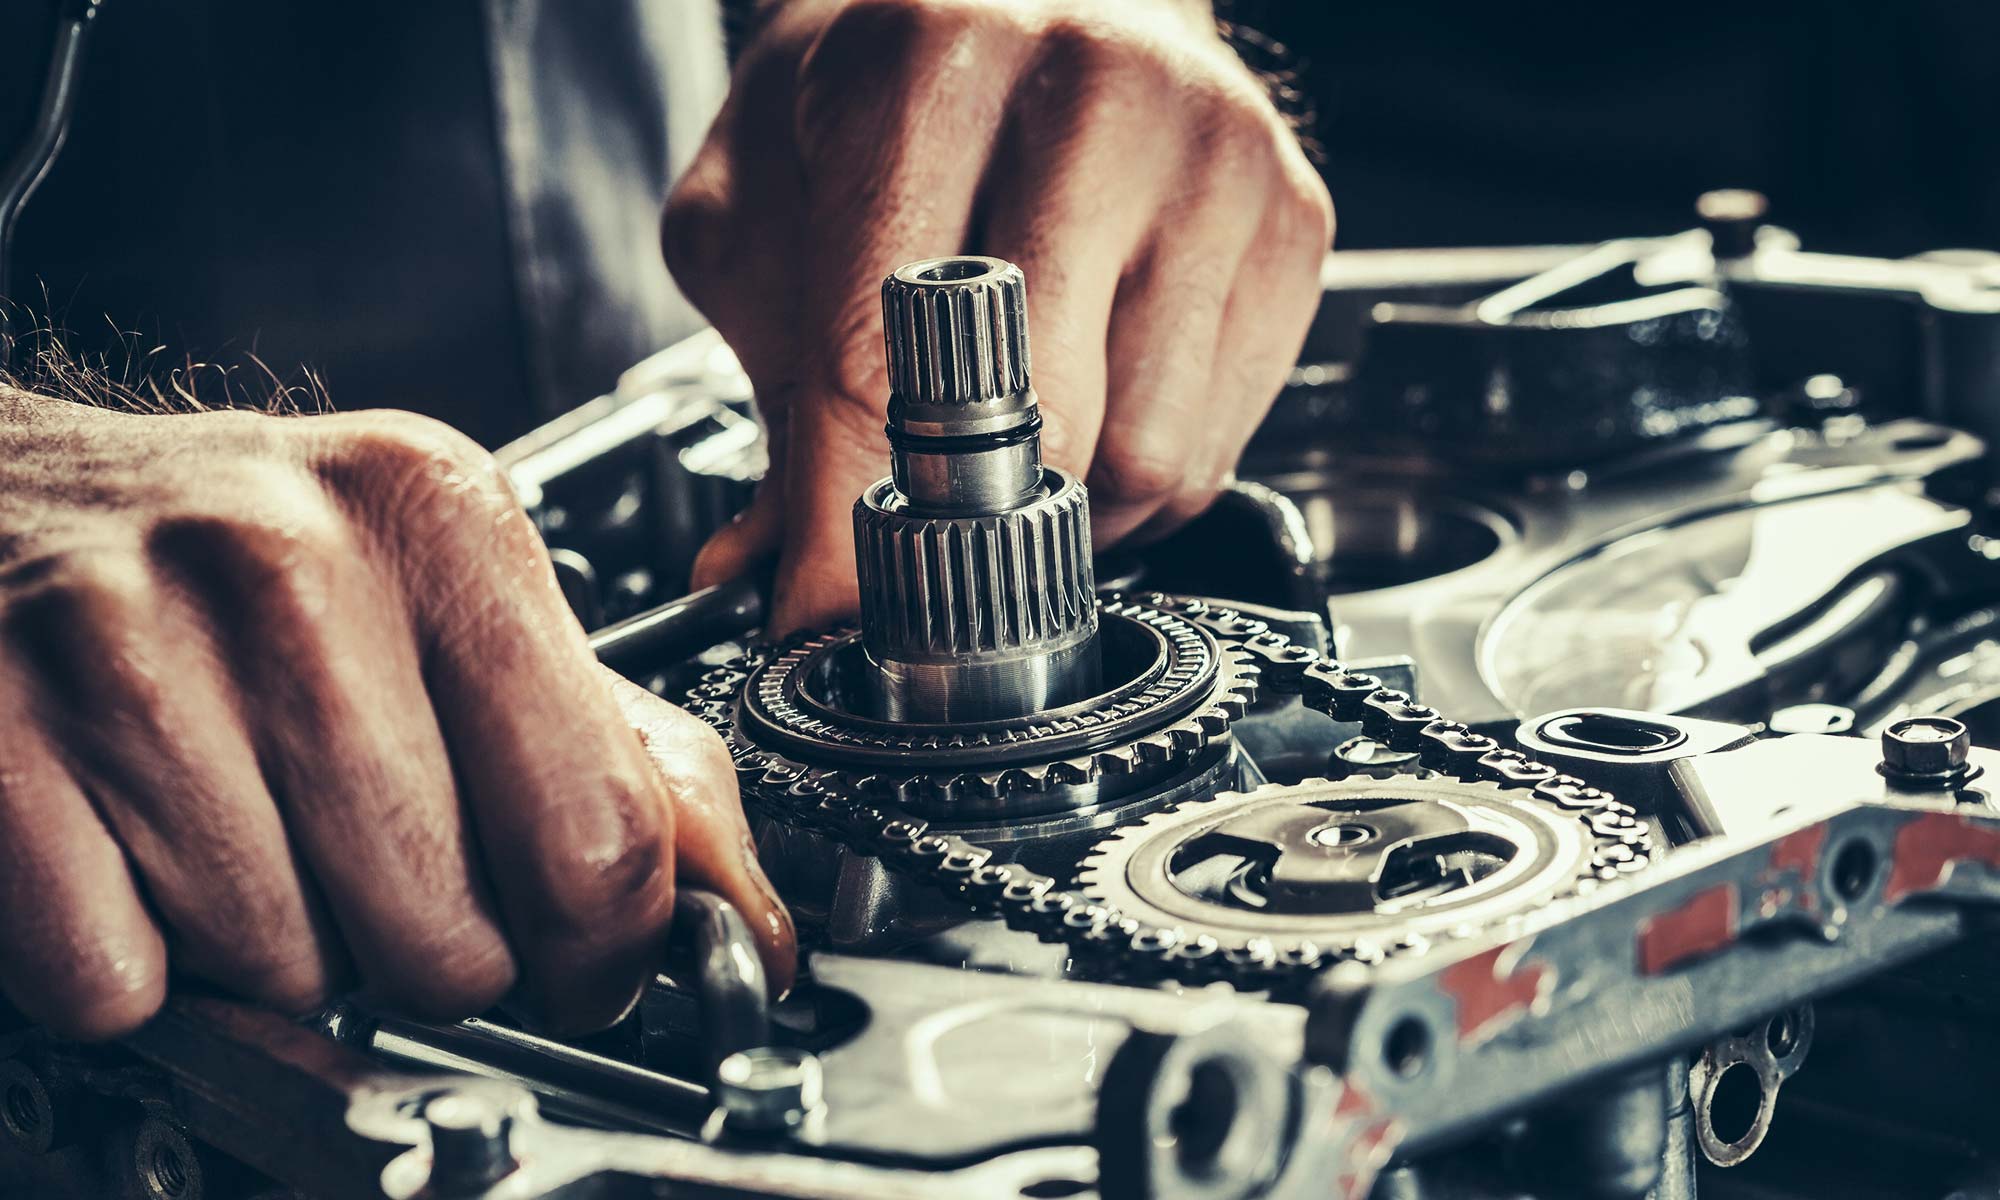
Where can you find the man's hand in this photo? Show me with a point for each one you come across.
(291, 704)
(1168, 224)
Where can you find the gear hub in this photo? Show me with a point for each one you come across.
(977, 599)
(1358, 868)
(987, 680)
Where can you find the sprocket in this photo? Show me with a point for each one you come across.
(1359, 868)
(1188, 673)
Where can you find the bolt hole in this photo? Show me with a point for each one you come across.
(1620, 732)
(1201, 1123)
(167, 1171)
(1734, 1103)
(1919, 441)
(1407, 1049)
(1782, 1034)
(1853, 870)
(1054, 1189)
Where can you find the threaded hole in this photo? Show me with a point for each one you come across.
(24, 1111)
(167, 1170)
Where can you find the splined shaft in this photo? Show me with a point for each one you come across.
(977, 595)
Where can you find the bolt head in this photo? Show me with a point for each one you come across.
(471, 1141)
(768, 1088)
(1925, 748)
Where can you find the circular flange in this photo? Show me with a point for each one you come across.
(1360, 866)
(812, 701)
(1172, 687)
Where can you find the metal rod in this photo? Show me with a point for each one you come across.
(30, 164)
(730, 982)
(682, 628)
(588, 1086)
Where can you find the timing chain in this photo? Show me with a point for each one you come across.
(1109, 943)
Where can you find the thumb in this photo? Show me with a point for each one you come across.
(749, 542)
(712, 842)
(837, 449)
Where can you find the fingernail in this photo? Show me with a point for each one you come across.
(746, 845)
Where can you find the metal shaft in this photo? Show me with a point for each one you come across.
(977, 595)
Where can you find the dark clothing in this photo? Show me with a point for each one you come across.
(445, 205)
(449, 205)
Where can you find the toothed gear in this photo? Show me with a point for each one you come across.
(1196, 673)
(1109, 940)
(1359, 868)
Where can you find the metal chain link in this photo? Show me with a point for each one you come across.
(1106, 942)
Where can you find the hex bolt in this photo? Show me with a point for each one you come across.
(472, 1143)
(1925, 749)
(1731, 216)
(768, 1089)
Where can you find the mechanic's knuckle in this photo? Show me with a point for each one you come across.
(1232, 138)
(60, 594)
(409, 459)
(1074, 52)
(101, 1000)
(453, 971)
(595, 896)
(286, 974)
(694, 233)
(1304, 213)
(853, 374)
(91, 609)
(707, 753)
(868, 35)
(1139, 468)
(277, 564)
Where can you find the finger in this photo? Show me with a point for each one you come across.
(735, 259)
(133, 690)
(889, 177)
(572, 824)
(713, 848)
(837, 450)
(1048, 212)
(1165, 337)
(353, 754)
(739, 270)
(744, 545)
(78, 952)
(1271, 306)
(1264, 325)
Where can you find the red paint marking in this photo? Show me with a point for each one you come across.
(1352, 1100)
(1799, 851)
(1488, 1000)
(1705, 923)
(1371, 1151)
(1929, 844)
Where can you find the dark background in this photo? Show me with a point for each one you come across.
(1874, 127)
(249, 176)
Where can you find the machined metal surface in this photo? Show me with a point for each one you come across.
(1734, 1084)
(1477, 967)
(1176, 682)
(1363, 868)
(977, 587)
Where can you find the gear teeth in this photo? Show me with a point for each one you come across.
(941, 587)
(1101, 875)
(1230, 695)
